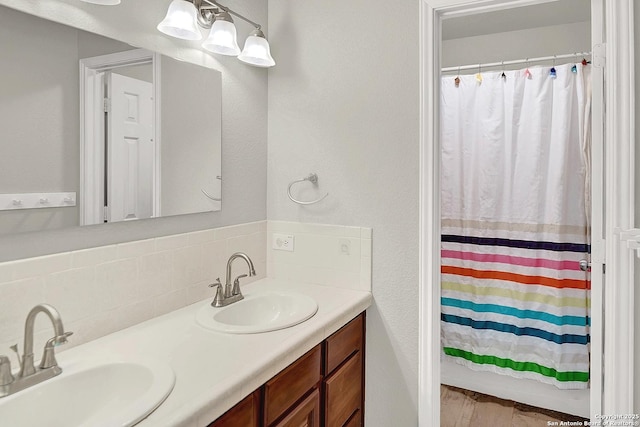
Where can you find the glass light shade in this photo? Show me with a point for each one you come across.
(222, 39)
(103, 2)
(181, 21)
(257, 52)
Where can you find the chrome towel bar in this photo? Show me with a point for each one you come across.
(312, 178)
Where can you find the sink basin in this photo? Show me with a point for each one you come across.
(91, 395)
(259, 312)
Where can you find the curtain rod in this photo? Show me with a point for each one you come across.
(515, 61)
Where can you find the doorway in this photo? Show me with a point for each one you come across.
(515, 141)
(603, 394)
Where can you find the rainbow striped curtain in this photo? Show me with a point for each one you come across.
(515, 162)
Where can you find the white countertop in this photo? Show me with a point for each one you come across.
(214, 371)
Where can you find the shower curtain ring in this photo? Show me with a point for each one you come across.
(479, 75)
(527, 73)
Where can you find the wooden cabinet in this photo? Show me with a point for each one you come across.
(305, 414)
(286, 388)
(342, 344)
(343, 392)
(323, 388)
(356, 420)
(244, 414)
(343, 386)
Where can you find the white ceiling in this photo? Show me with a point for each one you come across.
(546, 14)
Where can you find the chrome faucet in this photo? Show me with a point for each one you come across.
(29, 375)
(231, 292)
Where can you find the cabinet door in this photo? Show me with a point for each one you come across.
(244, 414)
(306, 414)
(355, 420)
(342, 344)
(286, 388)
(343, 392)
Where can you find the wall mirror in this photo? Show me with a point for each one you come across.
(98, 131)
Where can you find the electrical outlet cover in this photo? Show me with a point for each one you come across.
(283, 242)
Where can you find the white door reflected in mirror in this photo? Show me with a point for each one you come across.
(131, 149)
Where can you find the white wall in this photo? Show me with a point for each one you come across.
(636, 394)
(343, 102)
(244, 123)
(38, 117)
(191, 137)
(39, 113)
(522, 44)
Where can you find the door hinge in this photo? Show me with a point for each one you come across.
(599, 57)
(632, 237)
(107, 105)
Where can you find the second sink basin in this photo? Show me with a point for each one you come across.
(91, 395)
(259, 312)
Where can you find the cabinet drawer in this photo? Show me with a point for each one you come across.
(244, 414)
(343, 392)
(306, 414)
(287, 387)
(343, 344)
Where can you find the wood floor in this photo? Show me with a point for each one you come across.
(464, 408)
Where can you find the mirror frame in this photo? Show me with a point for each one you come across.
(615, 395)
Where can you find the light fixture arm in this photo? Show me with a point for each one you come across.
(213, 5)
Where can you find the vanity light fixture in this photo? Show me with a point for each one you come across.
(223, 38)
(180, 21)
(184, 16)
(256, 50)
(103, 2)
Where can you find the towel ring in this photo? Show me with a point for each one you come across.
(209, 196)
(312, 178)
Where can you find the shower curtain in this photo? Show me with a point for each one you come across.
(515, 200)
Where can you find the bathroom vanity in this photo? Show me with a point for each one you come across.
(323, 387)
(311, 373)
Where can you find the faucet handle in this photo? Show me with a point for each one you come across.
(60, 339)
(49, 356)
(218, 301)
(217, 283)
(15, 349)
(6, 377)
(236, 285)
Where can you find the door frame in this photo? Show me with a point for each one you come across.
(610, 394)
(92, 154)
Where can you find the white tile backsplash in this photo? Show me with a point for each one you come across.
(331, 255)
(102, 290)
(94, 256)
